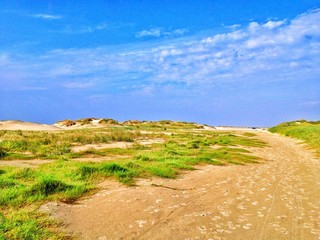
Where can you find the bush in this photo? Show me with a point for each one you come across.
(67, 123)
(86, 121)
(86, 171)
(3, 153)
(113, 167)
(49, 186)
(143, 158)
(108, 121)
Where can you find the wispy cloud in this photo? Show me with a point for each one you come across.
(154, 32)
(159, 32)
(46, 16)
(73, 29)
(93, 28)
(77, 85)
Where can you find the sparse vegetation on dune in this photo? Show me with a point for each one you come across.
(307, 131)
(66, 123)
(108, 121)
(22, 190)
(54, 145)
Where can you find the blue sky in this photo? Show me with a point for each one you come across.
(223, 62)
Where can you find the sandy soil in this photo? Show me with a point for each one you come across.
(26, 126)
(101, 146)
(278, 199)
(25, 163)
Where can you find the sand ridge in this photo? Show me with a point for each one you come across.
(26, 126)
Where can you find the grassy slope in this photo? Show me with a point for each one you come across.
(304, 130)
(23, 190)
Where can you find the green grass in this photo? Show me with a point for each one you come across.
(27, 224)
(249, 134)
(22, 186)
(53, 145)
(66, 180)
(304, 130)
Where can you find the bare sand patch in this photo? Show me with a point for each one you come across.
(149, 132)
(101, 159)
(24, 163)
(101, 146)
(150, 141)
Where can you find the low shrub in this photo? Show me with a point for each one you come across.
(3, 152)
(49, 186)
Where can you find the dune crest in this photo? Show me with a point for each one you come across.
(26, 126)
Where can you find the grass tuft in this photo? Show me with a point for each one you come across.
(26, 224)
(49, 185)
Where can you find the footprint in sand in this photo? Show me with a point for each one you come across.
(216, 218)
(225, 213)
(242, 219)
(260, 214)
(141, 223)
(230, 225)
(102, 238)
(247, 226)
(241, 197)
(174, 206)
(175, 196)
(241, 207)
(202, 214)
(151, 209)
(203, 229)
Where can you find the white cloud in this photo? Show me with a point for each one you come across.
(46, 16)
(253, 26)
(273, 24)
(158, 32)
(273, 51)
(74, 29)
(235, 35)
(154, 32)
(234, 26)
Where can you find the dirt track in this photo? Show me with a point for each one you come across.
(278, 199)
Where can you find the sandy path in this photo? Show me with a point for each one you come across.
(275, 200)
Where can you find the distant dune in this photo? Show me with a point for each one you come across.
(103, 122)
(26, 126)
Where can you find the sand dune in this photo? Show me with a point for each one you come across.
(27, 126)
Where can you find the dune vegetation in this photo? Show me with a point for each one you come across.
(307, 131)
(161, 149)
